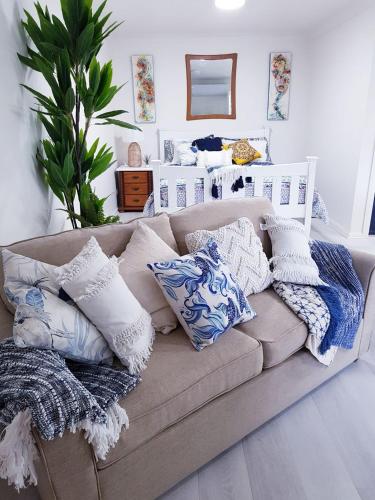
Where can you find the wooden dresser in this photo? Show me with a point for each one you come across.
(134, 186)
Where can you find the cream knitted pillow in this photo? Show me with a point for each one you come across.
(242, 250)
(93, 281)
(291, 256)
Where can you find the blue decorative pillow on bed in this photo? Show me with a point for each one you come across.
(209, 143)
(203, 294)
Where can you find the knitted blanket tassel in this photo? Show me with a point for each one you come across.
(18, 452)
(18, 449)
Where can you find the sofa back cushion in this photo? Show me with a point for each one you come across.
(60, 248)
(219, 213)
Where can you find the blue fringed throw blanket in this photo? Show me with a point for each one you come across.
(39, 389)
(343, 296)
(332, 313)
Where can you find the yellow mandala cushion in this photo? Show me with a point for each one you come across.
(243, 152)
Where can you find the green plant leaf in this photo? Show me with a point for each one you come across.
(68, 169)
(94, 76)
(28, 62)
(55, 173)
(69, 100)
(72, 16)
(110, 114)
(98, 12)
(119, 123)
(93, 148)
(100, 165)
(84, 42)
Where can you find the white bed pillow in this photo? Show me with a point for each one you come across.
(94, 283)
(143, 247)
(182, 148)
(241, 249)
(186, 154)
(291, 256)
(214, 158)
(44, 320)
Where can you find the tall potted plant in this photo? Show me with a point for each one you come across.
(64, 50)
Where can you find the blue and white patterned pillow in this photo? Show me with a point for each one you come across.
(203, 294)
(44, 320)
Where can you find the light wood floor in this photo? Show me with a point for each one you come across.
(322, 448)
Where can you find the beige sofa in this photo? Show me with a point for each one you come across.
(190, 406)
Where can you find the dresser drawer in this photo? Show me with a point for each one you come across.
(137, 177)
(141, 188)
(135, 200)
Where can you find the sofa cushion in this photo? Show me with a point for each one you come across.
(217, 213)
(61, 248)
(179, 380)
(277, 327)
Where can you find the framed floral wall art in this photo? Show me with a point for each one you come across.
(143, 89)
(279, 85)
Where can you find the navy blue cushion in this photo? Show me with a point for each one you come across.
(209, 143)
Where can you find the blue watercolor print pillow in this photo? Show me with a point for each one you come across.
(44, 320)
(203, 294)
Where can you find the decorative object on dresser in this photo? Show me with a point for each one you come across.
(134, 155)
(279, 83)
(143, 88)
(147, 159)
(134, 186)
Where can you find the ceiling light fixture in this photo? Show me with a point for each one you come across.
(229, 4)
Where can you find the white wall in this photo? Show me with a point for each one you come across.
(25, 203)
(288, 138)
(342, 129)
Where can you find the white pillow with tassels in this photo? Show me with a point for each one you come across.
(93, 281)
(291, 256)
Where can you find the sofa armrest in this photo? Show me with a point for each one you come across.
(66, 468)
(364, 264)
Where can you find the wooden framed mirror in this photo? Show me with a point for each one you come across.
(211, 86)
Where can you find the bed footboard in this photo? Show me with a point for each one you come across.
(290, 187)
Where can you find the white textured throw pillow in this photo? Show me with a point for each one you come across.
(146, 246)
(214, 158)
(94, 283)
(291, 256)
(242, 250)
(186, 154)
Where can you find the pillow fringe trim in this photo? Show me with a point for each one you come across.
(81, 262)
(102, 281)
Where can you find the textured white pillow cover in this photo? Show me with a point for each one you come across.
(186, 157)
(94, 283)
(214, 158)
(291, 256)
(242, 250)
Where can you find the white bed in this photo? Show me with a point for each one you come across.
(290, 186)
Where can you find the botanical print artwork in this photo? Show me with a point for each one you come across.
(44, 318)
(144, 89)
(279, 86)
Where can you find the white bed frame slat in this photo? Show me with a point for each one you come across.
(294, 171)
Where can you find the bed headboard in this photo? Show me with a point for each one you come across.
(173, 135)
